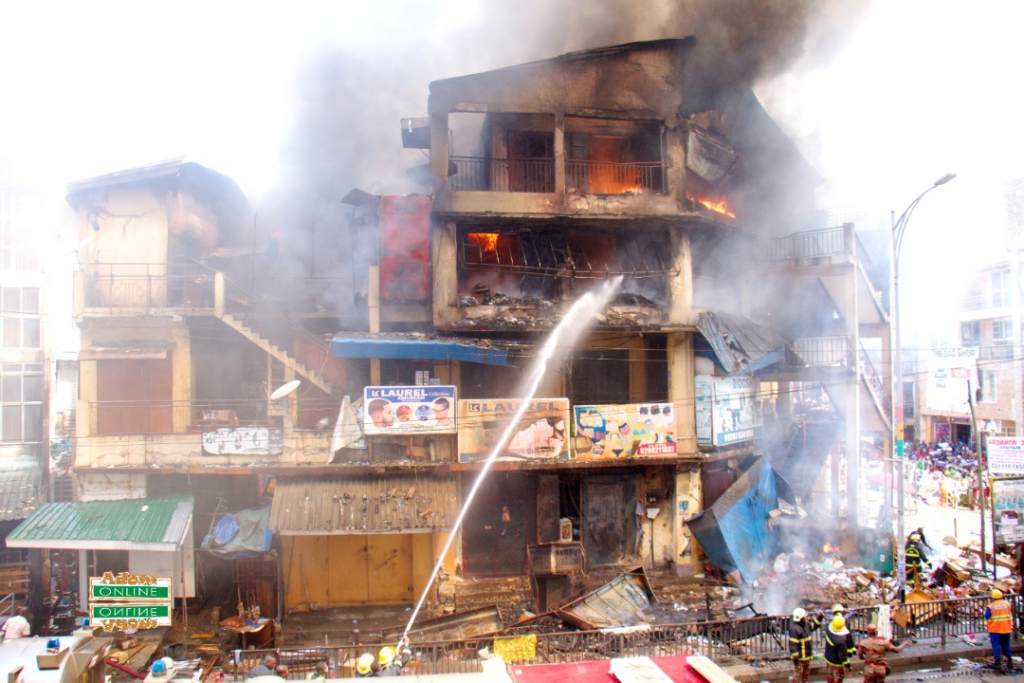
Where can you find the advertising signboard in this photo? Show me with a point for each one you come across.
(1005, 456)
(540, 435)
(409, 410)
(130, 601)
(950, 371)
(613, 431)
(1008, 513)
(243, 441)
(728, 411)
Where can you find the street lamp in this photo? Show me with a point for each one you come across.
(899, 227)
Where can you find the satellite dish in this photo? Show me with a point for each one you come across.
(285, 389)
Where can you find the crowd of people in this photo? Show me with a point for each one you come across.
(388, 662)
(945, 473)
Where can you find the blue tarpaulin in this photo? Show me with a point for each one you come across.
(417, 349)
(241, 534)
(734, 531)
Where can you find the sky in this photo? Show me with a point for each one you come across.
(303, 100)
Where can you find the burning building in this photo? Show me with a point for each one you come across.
(546, 179)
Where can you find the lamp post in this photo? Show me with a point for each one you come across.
(899, 227)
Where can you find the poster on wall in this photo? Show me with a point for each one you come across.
(1005, 456)
(615, 431)
(540, 435)
(728, 410)
(243, 441)
(409, 410)
(950, 373)
(1008, 513)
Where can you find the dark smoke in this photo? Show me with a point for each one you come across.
(349, 100)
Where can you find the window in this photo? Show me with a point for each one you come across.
(988, 386)
(970, 334)
(1001, 288)
(1002, 331)
(21, 403)
(19, 311)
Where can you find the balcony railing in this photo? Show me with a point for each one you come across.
(820, 352)
(538, 175)
(503, 175)
(604, 177)
(809, 244)
(169, 417)
(146, 287)
(876, 384)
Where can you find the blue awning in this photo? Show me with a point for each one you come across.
(417, 349)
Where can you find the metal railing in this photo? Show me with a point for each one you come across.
(146, 287)
(809, 244)
(724, 641)
(820, 352)
(605, 177)
(503, 175)
(876, 384)
(170, 416)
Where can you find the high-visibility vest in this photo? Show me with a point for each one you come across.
(999, 621)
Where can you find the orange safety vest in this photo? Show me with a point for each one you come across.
(999, 621)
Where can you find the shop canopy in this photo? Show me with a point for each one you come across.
(353, 346)
(135, 524)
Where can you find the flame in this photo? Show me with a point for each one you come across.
(716, 205)
(487, 241)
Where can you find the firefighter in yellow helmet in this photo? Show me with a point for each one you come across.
(839, 647)
(365, 664)
(999, 623)
(392, 660)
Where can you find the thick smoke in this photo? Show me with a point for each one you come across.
(349, 98)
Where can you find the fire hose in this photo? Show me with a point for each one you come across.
(128, 670)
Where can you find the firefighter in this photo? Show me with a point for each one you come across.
(873, 649)
(390, 662)
(999, 623)
(915, 557)
(365, 665)
(839, 647)
(800, 628)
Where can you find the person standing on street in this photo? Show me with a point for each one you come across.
(999, 623)
(915, 558)
(18, 625)
(873, 649)
(839, 647)
(800, 628)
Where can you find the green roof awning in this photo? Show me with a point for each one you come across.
(134, 524)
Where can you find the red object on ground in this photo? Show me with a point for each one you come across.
(598, 672)
(117, 665)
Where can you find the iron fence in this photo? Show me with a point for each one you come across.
(759, 637)
(820, 352)
(503, 175)
(147, 286)
(605, 177)
(809, 244)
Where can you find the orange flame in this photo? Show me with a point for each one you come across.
(487, 241)
(716, 205)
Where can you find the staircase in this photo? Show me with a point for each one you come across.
(226, 290)
(282, 355)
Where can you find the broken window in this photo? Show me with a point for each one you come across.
(546, 264)
(613, 157)
(502, 152)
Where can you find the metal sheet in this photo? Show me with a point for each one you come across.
(363, 505)
(617, 603)
(404, 248)
(475, 623)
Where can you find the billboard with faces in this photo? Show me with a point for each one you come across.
(631, 429)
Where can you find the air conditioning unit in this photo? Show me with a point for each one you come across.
(565, 530)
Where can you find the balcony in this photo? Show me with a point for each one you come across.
(480, 174)
(820, 352)
(142, 288)
(604, 177)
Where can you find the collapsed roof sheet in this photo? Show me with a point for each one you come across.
(740, 344)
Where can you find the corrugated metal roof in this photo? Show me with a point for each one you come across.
(135, 524)
(363, 505)
(20, 481)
